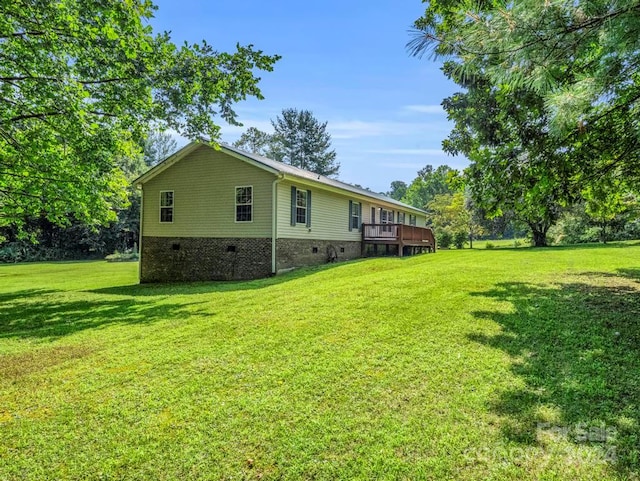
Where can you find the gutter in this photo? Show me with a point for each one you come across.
(274, 221)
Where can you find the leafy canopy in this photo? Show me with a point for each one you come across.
(428, 184)
(580, 56)
(398, 190)
(299, 139)
(80, 82)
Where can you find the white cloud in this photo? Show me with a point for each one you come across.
(425, 109)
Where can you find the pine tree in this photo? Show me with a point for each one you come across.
(158, 146)
(300, 140)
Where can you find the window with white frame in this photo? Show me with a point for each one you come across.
(401, 217)
(386, 216)
(244, 203)
(166, 206)
(301, 206)
(412, 219)
(355, 216)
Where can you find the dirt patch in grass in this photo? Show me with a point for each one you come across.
(15, 366)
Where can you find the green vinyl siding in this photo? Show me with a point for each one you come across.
(329, 213)
(204, 184)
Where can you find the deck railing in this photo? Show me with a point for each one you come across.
(380, 231)
(405, 234)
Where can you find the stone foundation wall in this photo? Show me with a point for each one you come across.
(166, 259)
(304, 252)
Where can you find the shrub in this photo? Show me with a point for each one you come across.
(489, 245)
(445, 239)
(459, 239)
(122, 257)
(12, 252)
(517, 243)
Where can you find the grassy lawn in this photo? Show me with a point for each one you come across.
(475, 364)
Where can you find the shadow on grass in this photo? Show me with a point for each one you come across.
(560, 247)
(22, 295)
(630, 273)
(204, 287)
(576, 346)
(46, 314)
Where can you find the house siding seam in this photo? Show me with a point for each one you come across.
(299, 252)
(166, 259)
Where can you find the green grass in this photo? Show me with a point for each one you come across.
(502, 243)
(430, 367)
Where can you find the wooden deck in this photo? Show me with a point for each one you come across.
(409, 239)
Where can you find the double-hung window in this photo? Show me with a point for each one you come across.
(401, 217)
(166, 206)
(386, 217)
(412, 219)
(300, 207)
(244, 203)
(355, 215)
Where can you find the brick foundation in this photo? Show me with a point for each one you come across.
(166, 259)
(300, 252)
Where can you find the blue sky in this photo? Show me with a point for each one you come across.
(346, 61)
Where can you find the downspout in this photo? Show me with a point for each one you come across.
(274, 222)
(139, 186)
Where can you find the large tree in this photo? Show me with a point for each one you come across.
(80, 81)
(516, 165)
(527, 157)
(398, 190)
(428, 184)
(158, 146)
(255, 141)
(609, 204)
(580, 56)
(301, 140)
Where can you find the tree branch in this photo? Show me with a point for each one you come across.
(44, 115)
(54, 79)
(41, 115)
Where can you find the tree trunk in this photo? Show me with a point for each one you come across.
(539, 232)
(603, 233)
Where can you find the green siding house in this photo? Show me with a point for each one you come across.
(223, 214)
